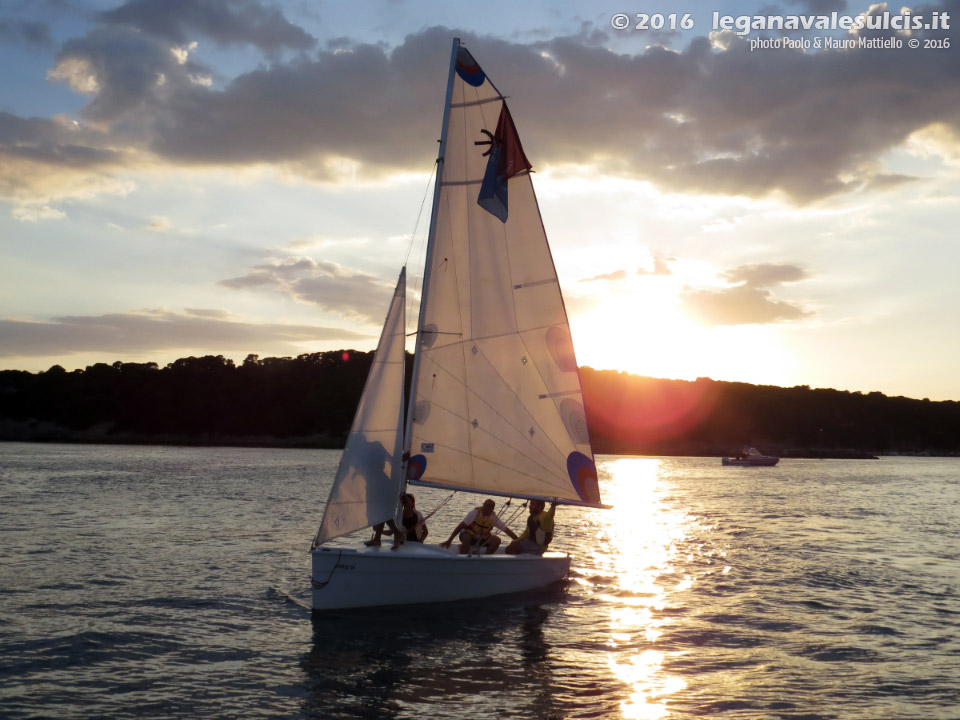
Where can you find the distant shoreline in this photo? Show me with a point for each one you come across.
(53, 435)
(309, 402)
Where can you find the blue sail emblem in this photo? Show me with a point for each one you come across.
(468, 68)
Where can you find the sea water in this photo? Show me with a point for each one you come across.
(163, 582)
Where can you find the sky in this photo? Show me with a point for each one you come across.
(235, 177)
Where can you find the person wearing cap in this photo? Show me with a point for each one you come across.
(477, 529)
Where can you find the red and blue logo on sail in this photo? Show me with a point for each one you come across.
(468, 68)
(416, 466)
(583, 475)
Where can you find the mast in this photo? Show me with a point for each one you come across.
(428, 261)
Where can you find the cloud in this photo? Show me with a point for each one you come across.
(660, 267)
(140, 332)
(350, 293)
(707, 118)
(158, 223)
(29, 32)
(741, 305)
(54, 158)
(34, 212)
(615, 276)
(130, 76)
(748, 301)
(765, 275)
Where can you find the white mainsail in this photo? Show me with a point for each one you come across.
(369, 480)
(498, 405)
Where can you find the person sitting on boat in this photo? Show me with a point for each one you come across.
(477, 529)
(538, 533)
(414, 525)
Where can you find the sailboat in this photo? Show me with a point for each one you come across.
(495, 404)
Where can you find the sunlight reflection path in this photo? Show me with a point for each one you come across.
(640, 536)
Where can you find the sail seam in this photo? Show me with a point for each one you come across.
(562, 485)
(566, 318)
(520, 401)
(498, 335)
(545, 463)
(553, 472)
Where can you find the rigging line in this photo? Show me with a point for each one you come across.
(418, 278)
(434, 511)
(423, 202)
(516, 511)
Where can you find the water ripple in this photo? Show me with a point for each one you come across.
(173, 583)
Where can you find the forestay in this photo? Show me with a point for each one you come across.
(369, 480)
(498, 405)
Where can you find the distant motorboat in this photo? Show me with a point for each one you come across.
(751, 457)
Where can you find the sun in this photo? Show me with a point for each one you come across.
(638, 326)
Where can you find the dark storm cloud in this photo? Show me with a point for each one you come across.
(224, 21)
(712, 118)
(153, 331)
(748, 301)
(326, 284)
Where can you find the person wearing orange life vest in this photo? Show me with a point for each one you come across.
(538, 533)
(476, 528)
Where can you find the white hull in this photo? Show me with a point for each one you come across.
(352, 577)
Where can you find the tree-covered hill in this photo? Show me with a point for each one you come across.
(309, 401)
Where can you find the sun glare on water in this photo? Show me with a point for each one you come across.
(646, 535)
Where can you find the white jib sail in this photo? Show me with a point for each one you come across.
(498, 407)
(369, 480)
